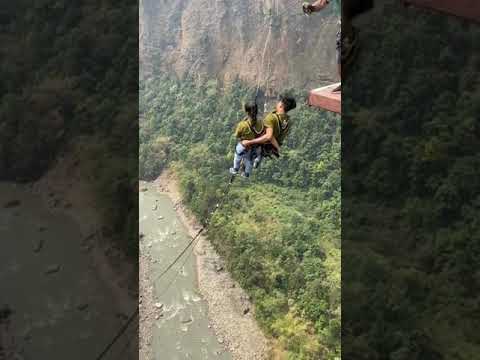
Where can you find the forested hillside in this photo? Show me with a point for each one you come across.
(410, 189)
(60, 96)
(279, 231)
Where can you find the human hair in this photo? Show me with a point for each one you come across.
(288, 102)
(251, 109)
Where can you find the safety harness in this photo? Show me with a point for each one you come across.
(268, 150)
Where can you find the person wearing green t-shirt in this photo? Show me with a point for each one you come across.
(247, 129)
(276, 126)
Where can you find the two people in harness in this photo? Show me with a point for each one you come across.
(258, 139)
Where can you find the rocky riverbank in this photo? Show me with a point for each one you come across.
(230, 312)
(147, 307)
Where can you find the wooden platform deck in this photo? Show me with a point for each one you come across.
(324, 98)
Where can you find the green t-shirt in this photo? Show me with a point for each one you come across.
(279, 124)
(245, 130)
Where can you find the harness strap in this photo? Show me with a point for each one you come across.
(252, 129)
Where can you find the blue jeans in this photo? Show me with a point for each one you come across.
(257, 154)
(248, 157)
(241, 153)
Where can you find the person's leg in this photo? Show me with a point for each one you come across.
(237, 159)
(247, 161)
(257, 154)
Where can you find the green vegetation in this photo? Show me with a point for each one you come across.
(410, 189)
(279, 232)
(69, 87)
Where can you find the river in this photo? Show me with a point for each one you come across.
(62, 309)
(183, 330)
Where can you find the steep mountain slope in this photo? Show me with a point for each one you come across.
(270, 41)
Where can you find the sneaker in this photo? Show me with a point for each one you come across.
(245, 175)
(256, 162)
(233, 171)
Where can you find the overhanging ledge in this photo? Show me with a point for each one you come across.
(324, 98)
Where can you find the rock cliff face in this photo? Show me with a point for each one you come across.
(260, 41)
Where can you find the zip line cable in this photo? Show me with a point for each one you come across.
(289, 8)
(263, 57)
(199, 232)
(125, 326)
(178, 272)
(179, 255)
(118, 335)
(129, 342)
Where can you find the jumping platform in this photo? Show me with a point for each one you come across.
(324, 98)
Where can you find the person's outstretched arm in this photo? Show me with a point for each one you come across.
(315, 7)
(266, 138)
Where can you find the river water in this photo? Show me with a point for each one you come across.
(183, 331)
(61, 307)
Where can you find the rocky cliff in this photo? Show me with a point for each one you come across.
(260, 41)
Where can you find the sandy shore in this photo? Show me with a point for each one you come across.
(230, 312)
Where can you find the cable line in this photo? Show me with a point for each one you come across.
(117, 335)
(125, 326)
